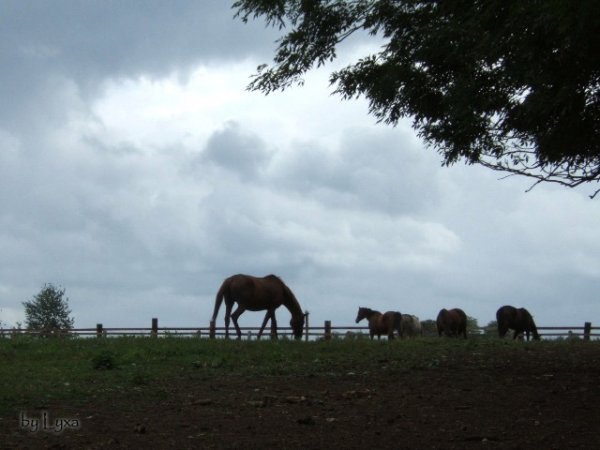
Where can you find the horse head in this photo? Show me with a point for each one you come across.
(362, 313)
(297, 324)
(530, 325)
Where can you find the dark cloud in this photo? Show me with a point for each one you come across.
(384, 171)
(42, 44)
(237, 151)
(94, 40)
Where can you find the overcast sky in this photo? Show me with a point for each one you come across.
(137, 173)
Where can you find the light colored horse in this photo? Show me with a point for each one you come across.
(411, 326)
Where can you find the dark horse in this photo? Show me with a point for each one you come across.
(452, 322)
(379, 323)
(516, 319)
(257, 294)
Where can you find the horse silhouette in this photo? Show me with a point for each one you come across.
(379, 323)
(258, 294)
(452, 322)
(519, 320)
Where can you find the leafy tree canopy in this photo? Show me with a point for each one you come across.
(511, 85)
(48, 310)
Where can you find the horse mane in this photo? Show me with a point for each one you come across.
(525, 312)
(290, 300)
(369, 311)
(530, 321)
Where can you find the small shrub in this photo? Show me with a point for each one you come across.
(104, 360)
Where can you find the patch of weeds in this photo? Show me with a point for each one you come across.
(217, 362)
(104, 360)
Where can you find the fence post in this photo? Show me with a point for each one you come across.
(587, 331)
(306, 326)
(99, 330)
(327, 330)
(154, 331)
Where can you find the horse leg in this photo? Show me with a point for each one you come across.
(228, 306)
(237, 313)
(502, 331)
(264, 324)
(273, 326)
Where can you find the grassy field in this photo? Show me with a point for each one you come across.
(36, 372)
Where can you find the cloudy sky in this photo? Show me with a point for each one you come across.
(137, 173)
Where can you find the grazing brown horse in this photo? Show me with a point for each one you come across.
(516, 319)
(257, 294)
(452, 322)
(379, 323)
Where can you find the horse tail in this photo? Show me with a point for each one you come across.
(223, 291)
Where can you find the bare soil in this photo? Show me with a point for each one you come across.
(548, 400)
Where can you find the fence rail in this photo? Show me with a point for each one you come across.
(327, 331)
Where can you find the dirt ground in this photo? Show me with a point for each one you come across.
(515, 400)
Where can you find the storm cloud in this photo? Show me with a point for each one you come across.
(137, 172)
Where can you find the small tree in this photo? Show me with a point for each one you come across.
(48, 311)
(472, 325)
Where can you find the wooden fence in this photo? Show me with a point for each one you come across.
(327, 331)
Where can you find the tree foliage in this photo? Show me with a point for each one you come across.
(48, 311)
(511, 85)
(472, 325)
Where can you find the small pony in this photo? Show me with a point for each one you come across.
(519, 320)
(379, 323)
(452, 322)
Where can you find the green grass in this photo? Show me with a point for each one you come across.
(35, 372)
